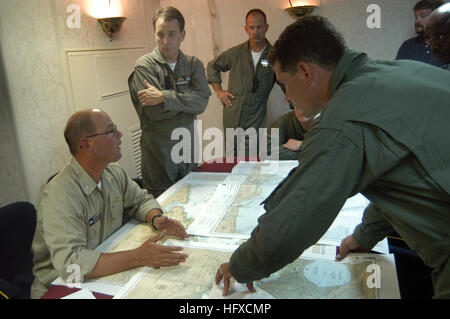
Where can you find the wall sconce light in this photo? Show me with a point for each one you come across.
(111, 25)
(300, 11)
(108, 14)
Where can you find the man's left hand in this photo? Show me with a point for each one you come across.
(172, 226)
(292, 144)
(224, 272)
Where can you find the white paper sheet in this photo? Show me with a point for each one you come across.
(81, 294)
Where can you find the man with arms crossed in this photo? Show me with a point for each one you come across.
(168, 89)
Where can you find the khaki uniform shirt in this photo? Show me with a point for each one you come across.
(186, 94)
(383, 133)
(75, 216)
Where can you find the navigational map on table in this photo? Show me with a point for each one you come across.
(229, 205)
(224, 205)
(219, 211)
(305, 278)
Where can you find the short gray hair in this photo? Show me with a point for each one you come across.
(79, 125)
(312, 39)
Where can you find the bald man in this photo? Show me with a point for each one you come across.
(438, 32)
(249, 85)
(84, 204)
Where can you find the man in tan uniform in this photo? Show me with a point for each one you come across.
(84, 204)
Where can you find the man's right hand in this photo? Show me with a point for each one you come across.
(224, 272)
(153, 254)
(224, 97)
(150, 96)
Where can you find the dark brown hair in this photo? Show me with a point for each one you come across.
(428, 4)
(311, 39)
(168, 14)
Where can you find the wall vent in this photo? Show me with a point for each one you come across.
(135, 137)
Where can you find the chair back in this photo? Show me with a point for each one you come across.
(17, 227)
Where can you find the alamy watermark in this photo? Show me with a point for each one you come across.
(74, 279)
(374, 19)
(73, 20)
(374, 279)
(239, 143)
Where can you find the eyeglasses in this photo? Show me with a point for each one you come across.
(113, 130)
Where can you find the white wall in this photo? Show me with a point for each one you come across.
(34, 36)
(350, 16)
(12, 178)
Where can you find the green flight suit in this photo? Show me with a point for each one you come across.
(186, 94)
(288, 128)
(384, 133)
(250, 88)
(75, 216)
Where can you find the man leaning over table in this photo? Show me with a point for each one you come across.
(84, 204)
(380, 130)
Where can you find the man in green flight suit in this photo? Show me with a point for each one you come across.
(249, 85)
(380, 130)
(168, 90)
(292, 127)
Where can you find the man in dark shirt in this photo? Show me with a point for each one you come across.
(419, 47)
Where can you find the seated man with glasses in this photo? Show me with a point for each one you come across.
(84, 204)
